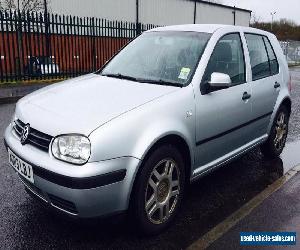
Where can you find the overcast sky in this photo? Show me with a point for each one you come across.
(285, 8)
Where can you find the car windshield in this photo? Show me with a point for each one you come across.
(166, 58)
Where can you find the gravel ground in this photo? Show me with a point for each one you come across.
(25, 225)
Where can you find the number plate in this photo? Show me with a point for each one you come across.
(23, 168)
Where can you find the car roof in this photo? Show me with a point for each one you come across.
(207, 28)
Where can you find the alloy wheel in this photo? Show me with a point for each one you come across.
(281, 131)
(162, 191)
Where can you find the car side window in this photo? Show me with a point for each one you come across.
(258, 56)
(274, 65)
(227, 58)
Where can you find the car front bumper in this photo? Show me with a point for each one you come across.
(93, 190)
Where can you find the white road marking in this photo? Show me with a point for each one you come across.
(219, 230)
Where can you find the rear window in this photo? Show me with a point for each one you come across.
(262, 57)
(272, 57)
(258, 57)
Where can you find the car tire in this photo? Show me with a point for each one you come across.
(273, 147)
(159, 190)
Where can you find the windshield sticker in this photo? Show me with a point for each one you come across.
(184, 73)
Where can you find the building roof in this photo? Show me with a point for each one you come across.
(222, 5)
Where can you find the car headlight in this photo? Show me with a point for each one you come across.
(74, 149)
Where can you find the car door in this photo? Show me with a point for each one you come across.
(222, 114)
(265, 82)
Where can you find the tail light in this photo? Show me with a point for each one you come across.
(290, 84)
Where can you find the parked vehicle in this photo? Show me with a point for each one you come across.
(175, 103)
(41, 65)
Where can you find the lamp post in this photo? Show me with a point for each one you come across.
(272, 14)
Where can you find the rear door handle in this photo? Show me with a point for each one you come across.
(277, 85)
(246, 96)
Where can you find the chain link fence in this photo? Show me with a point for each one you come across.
(291, 49)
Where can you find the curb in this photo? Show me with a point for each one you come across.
(9, 100)
(13, 93)
(31, 82)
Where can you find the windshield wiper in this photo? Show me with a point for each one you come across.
(120, 76)
(161, 82)
(131, 78)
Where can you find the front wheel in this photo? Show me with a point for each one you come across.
(159, 190)
(273, 147)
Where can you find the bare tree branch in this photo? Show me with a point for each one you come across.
(8, 4)
(255, 18)
(25, 5)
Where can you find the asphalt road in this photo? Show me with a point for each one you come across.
(24, 224)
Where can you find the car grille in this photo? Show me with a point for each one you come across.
(35, 138)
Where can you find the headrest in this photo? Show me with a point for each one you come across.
(223, 52)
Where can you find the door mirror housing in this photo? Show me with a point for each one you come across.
(219, 81)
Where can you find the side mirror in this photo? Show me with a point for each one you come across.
(219, 81)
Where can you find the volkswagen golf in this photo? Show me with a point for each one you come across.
(174, 104)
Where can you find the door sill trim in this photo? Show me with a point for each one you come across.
(203, 170)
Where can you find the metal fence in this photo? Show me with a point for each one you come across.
(291, 49)
(35, 46)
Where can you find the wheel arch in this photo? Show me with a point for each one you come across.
(284, 100)
(180, 143)
(288, 103)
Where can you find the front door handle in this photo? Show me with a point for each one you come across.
(277, 85)
(246, 96)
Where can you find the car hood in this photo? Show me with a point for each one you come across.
(82, 104)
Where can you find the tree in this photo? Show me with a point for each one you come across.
(284, 29)
(255, 19)
(24, 5)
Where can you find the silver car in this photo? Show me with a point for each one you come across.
(174, 104)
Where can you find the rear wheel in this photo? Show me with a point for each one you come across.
(274, 145)
(159, 190)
